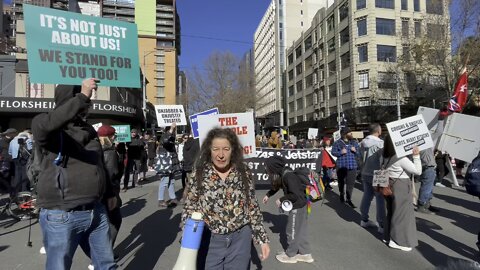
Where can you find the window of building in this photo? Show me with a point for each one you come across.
(308, 62)
(361, 4)
(434, 7)
(362, 27)
(301, 23)
(385, 4)
(309, 81)
(346, 85)
(343, 11)
(291, 108)
(300, 104)
(386, 80)
(332, 67)
(321, 96)
(298, 52)
(385, 27)
(345, 60)
(418, 28)
(416, 5)
(386, 53)
(299, 69)
(344, 36)
(332, 90)
(299, 86)
(300, 118)
(363, 53)
(406, 53)
(308, 43)
(291, 91)
(404, 4)
(435, 31)
(405, 28)
(290, 58)
(301, 12)
(290, 75)
(331, 23)
(331, 45)
(309, 100)
(363, 80)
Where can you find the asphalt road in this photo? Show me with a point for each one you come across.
(149, 237)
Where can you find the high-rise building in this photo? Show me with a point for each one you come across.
(282, 23)
(357, 53)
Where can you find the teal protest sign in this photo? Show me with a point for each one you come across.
(123, 133)
(66, 48)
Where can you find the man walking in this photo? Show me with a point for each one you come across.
(370, 149)
(427, 181)
(72, 181)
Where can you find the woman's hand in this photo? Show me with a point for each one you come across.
(415, 151)
(265, 251)
(265, 199)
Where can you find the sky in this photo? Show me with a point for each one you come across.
(234, 20)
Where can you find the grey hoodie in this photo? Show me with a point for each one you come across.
(370, 150)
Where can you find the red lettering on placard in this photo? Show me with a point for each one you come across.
(228, 121)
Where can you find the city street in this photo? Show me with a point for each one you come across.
(149, 237)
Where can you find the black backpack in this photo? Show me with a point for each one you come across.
(472, 177)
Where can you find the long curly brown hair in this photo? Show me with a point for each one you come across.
(236, 159)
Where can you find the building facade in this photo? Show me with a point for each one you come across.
(282, 23)
(356, 54)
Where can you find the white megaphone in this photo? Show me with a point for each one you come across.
(192, 236)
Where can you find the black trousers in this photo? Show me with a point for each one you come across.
(20, 181)
(346, 176)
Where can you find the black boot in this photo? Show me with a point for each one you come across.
(342, 198)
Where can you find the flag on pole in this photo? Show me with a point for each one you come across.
(459, 98)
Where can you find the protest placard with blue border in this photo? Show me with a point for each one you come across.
(194, 120)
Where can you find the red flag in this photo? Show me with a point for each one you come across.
(459, 98)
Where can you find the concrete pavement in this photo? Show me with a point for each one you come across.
(149, 237)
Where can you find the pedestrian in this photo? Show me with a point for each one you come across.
(427, 181)
(151, 147)
(223, 191)
(20, 149)
(134, 159)
(6, 163)
(190, 154)
(371, 153)
(325, 163)
(179, 148)
(72, 181)
(441, 169)
(275, 140)
(400, 228)
(168, 155)
(346, 151)
(298, 249)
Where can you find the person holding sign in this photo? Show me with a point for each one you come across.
(400, 228)
(224, 192)
(346, 151)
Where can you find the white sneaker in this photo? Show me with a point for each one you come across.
(392, 244)
(285, 259)
(304, 258)
(369, 223)
(90, 267)
(439, 185)
(43, 251)
(334, 183)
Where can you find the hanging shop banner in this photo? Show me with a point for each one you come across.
(123, 133)
(296, 158)
(408, 132)
(169, 114)
(67, 47)
(241, 123)
(194, 120)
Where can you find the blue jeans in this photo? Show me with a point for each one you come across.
(64, 231)
(427, 181)
(164, 182)
(368, 194)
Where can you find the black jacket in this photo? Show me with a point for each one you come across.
(135, 148)
(293, 190)
(190, 153)
(80, 177)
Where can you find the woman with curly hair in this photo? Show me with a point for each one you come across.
(223, 191)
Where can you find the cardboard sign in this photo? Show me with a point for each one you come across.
(408, 132)
(123, 133)
(312, 133)
(296, 158)
(194, 120)
(67, 47)
(241, 123)
(431, 120)
(380, 178)
(169, 114)
(336, 135)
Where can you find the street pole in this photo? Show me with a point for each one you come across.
(399, 114)
(338, 98)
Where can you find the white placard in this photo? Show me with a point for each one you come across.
(336, 135)
(380, 178)
(431, 120)
(241, 123)
(408, 132)
(312, 133)
(169, 114)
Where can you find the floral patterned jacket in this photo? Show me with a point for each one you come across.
(223, 204)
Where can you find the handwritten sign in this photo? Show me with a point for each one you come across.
(336, 135)
(312, 133)
(123, 133)
(194, 120)
(408, 132)
(241, 123)
(380, 178)
(169, 114)
(67, 47)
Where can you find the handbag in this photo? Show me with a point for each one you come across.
(387, 191)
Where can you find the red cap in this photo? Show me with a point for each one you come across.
(105, 131)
